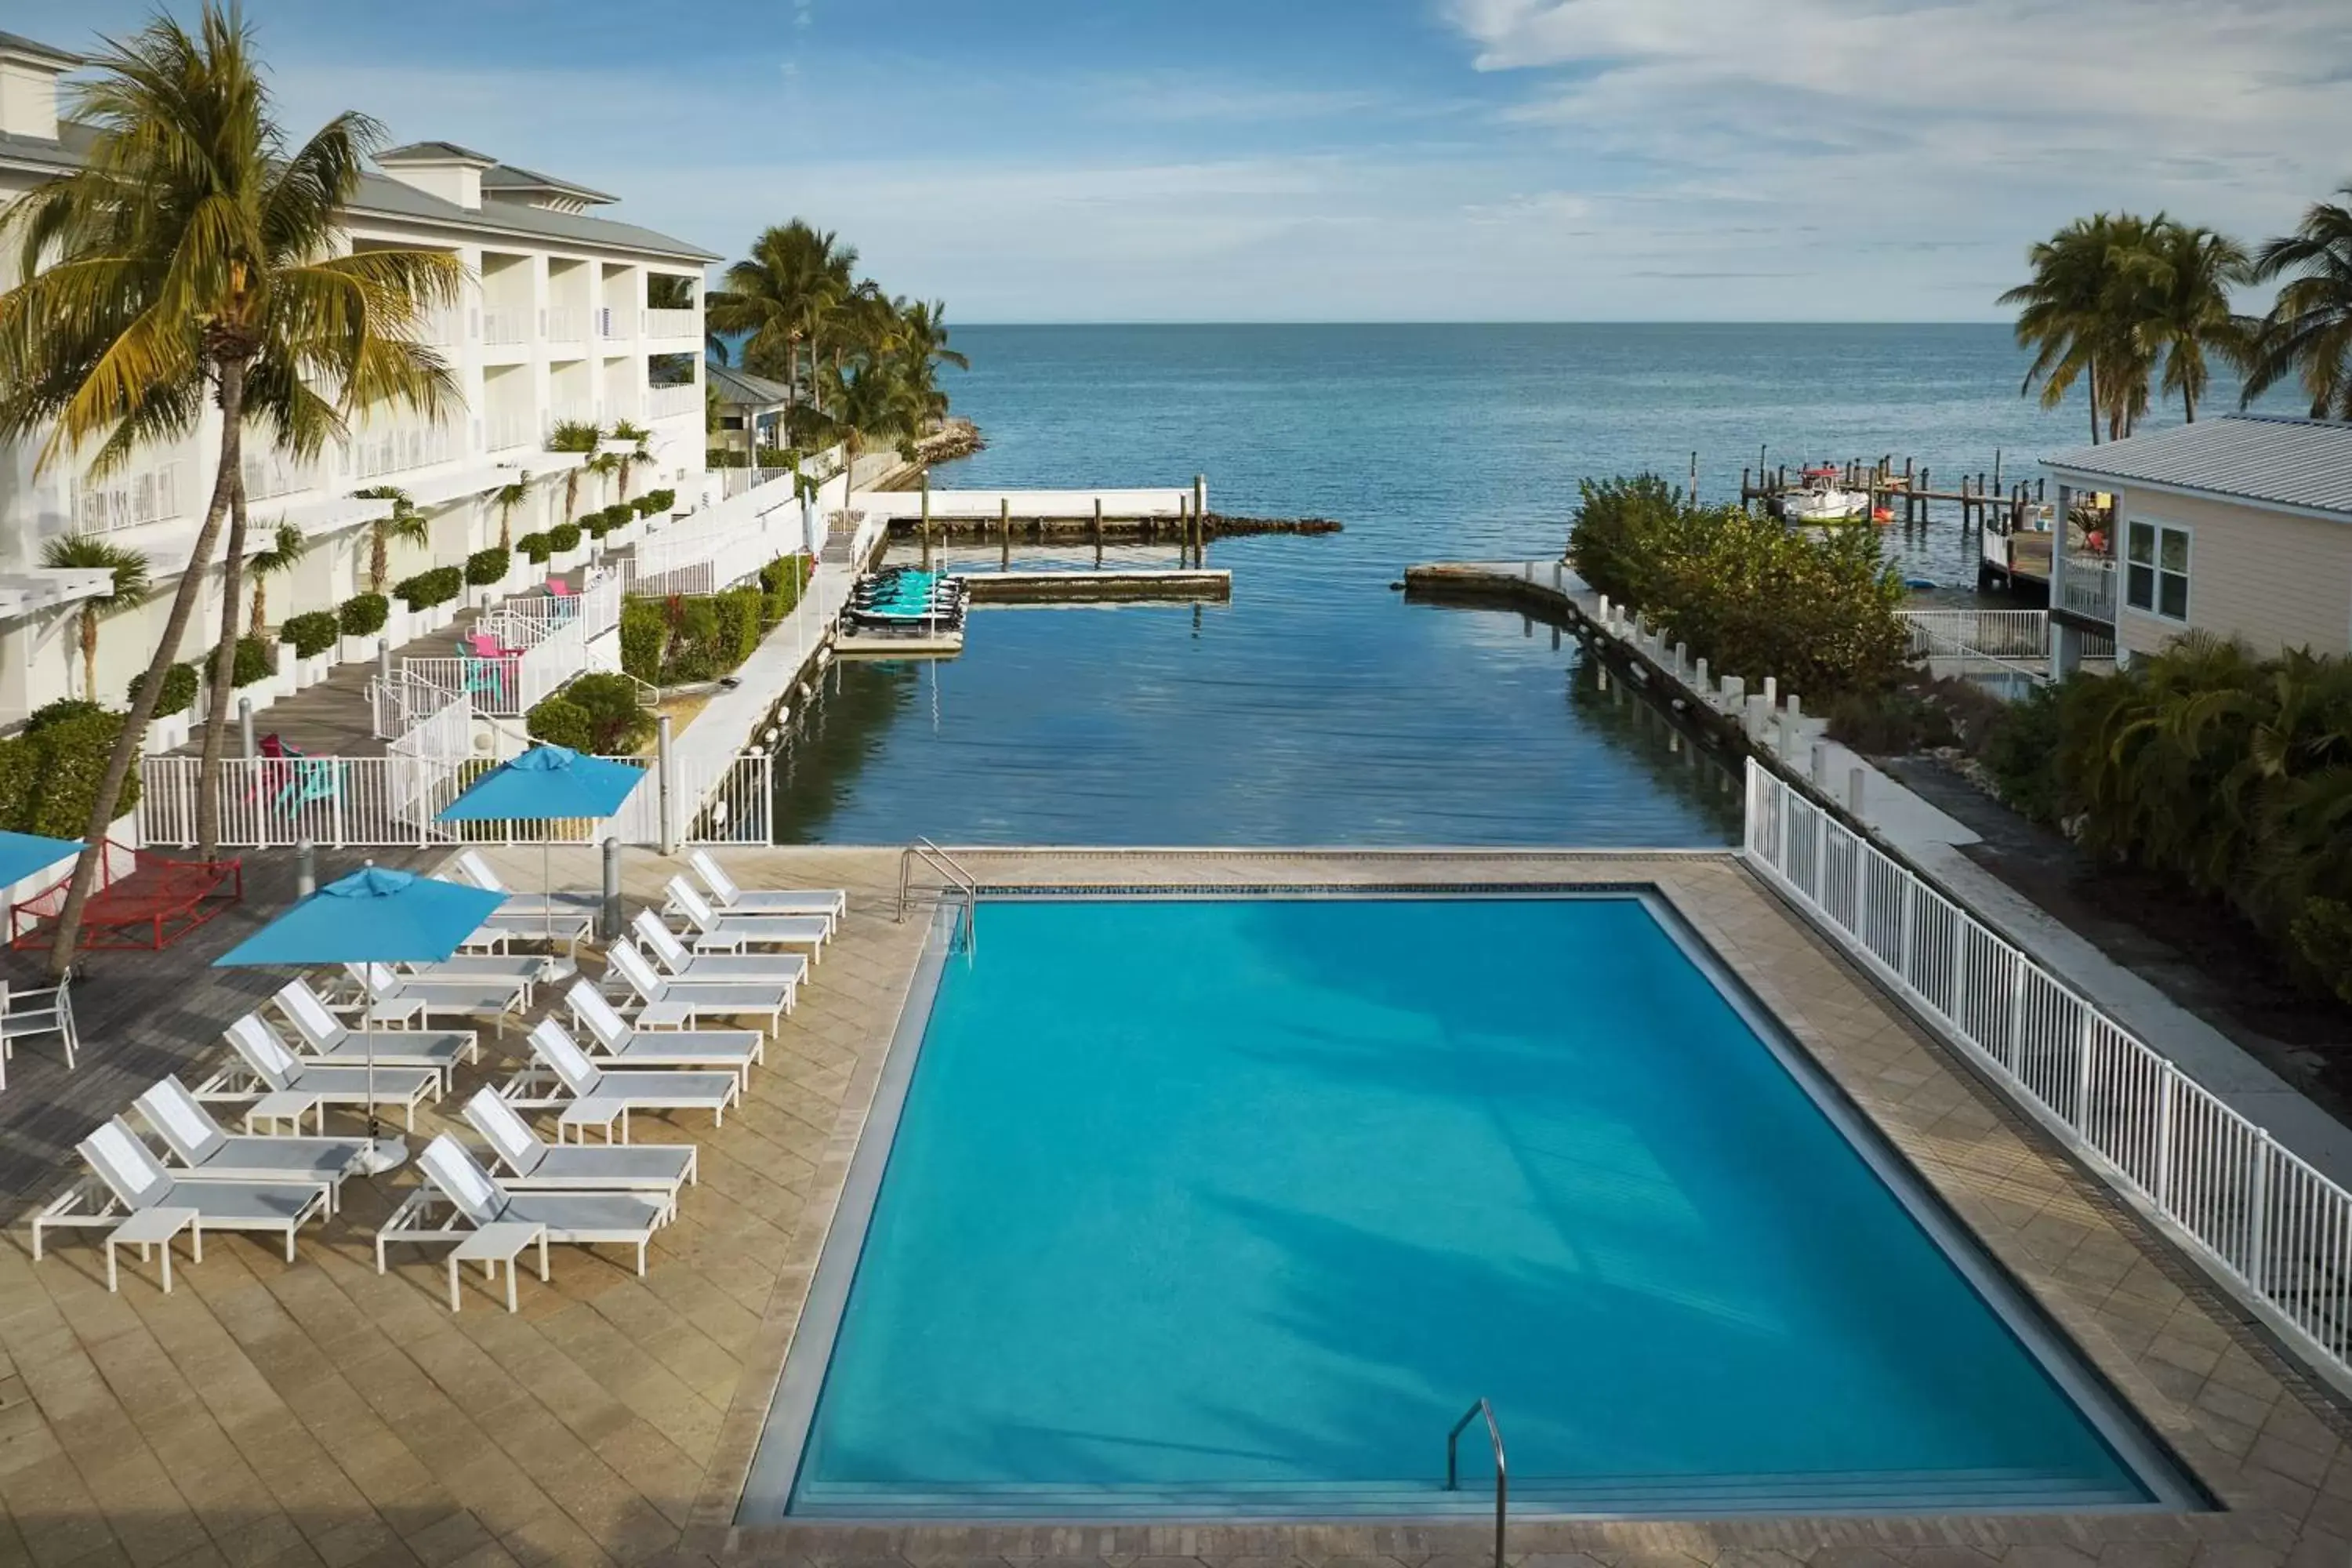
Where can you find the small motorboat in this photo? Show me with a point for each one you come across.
(1825, 500)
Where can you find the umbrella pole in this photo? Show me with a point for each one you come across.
(547, 890)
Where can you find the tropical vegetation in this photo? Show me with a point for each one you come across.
(405, 522)
(127, 586)
(2308, 333)
(287, 548)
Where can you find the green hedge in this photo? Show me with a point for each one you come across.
(1752, 595)
(57, 712)
(313, 634)
(50, 775)
(486, 567)
(255, 661)
(653, 501)
(535, 548)
(427, 589)
(364, 615)
(644, 632)
(665, 642)
(596, 713)
(179, 689)
(781, 584)
(562, 537)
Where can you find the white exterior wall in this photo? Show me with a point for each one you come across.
(2269, 578)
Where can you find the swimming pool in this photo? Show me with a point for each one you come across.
(1202, 1207)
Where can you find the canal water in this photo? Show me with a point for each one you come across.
(1319, 708)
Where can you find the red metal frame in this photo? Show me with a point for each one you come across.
(150, 906)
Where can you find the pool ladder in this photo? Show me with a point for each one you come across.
(1502, 1470)
(946, 865)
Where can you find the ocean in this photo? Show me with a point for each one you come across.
(1318, 708)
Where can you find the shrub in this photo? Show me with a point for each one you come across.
(560, 723)
(313, 634)
(364, 615)
(179, 690)
(593, 525)
(643, 506)
(780, 582)
(657, 500)
(563, 537)
(645, 634)
(2021, 753)
(1751, 595)
(2322, 934)
(256, 661)
(427, 589)
(50, 775)
(535, 548)
(1890, 721)
(57, 712)
(619, 514)
(486, 567)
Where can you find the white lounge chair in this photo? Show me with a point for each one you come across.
(591, 1096)
(324, 1038)
(667, 1004)
(679, 963)
(715, 932)
(833, 903)
(460, 1197)
(210, 1150)
(735, 1050)
(28, 1014)
(661, 1168)
(525, 917)
(271, 1068)
(522, 906)
(140, 1182)
(428, 993)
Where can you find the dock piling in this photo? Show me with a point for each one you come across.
(1004, 535)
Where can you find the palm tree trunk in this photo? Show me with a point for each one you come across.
(223, 678)
(2094, 393)
(90, 653)
(379, 558)
(150, 690)
(260, 622)
(2188, 407)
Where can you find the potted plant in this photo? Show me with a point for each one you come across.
(565, 543)
(363, 618)
(312, 638)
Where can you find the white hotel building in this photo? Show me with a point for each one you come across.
(555, 324)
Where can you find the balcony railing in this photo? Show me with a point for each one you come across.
(570, 414)
(507, 429)
(131, 498)
(668, 401)
(506, 326)
(611, 323)
(621, 403)
(399, 447)
(2089, 588)
(672, 323)
(269, 475)
(441, 329)
(561, 323)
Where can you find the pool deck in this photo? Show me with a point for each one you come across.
(310, 1412)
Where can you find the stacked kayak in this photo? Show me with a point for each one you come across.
(903, 598)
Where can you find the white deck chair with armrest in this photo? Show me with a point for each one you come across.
(28, 1014)
(715, 932)
(680, 962)
(459, 1196)
(139, 1181)
(324, 1038)
(667, 1004)
(210, 1152)
(276, 1069)
(476, 870)
(657, 1168)
(728, 898)
(452, 996)
(587, 1093)
(734, 1050)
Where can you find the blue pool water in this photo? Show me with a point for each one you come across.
(1236, 1206)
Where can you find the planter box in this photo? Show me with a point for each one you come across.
(355, 650)
(566, 561)
(168, 735)
(311, 670)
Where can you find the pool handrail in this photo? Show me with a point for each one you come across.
(940, 860)
(1502, 1470)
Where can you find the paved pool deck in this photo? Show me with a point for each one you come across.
(317, 1412)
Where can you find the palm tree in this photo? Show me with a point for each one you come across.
(507, 498)
(406, 523)
(572, 436)
(640, 451)
(2082, 313)
(2308, 332)
(786, 293)
(81, 552)
(286, 547)
(872, 401)
(2186, 273)
(190, 259)
(604, 465)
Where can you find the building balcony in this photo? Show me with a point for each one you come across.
(507, 429)
(396, 448)
(269, 475)
(611, 323)
(132, 497)
(505, 325)
(443, 328)
(671, 402)
(572, 412)
(564, 324)
(2088, 588)
(672, 323)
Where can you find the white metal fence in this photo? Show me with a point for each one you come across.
(389, 801)
(410, 696)
(2006, 634)
(2258, 1215)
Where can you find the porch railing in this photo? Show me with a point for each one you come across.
(668, 401)
(656, 323)
(2255, 1215)
(2090, 587)
(131, 498)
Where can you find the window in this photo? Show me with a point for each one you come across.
(2155, 570)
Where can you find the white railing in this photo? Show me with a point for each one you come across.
(269, 475)
(506, 324)
(609, 322)
(668, 324)
(392, 802)
(621, 403)
(429, 760)
(561, 323)
(1999, 633)
(395, 449)
(397, 706)
(507, 428)
(669, 402)
(524, 622)
(570, 414)
(2256, 1215)
(2090, 587)
(700, 564)
(441, 328)
(130, 498)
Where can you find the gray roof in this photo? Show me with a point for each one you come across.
(2305, 464)
(384, 197)
(434, 153)
(17, 44)
(740, 386)
(508, 178)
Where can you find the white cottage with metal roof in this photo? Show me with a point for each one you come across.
(2241, 526)
(567, 315)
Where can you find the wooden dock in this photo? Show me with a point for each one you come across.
(1184, 586)
(1907, 492)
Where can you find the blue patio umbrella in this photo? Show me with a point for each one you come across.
(375, 915)
(24, 855)
(544, 783)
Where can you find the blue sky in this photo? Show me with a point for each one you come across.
(1134, 160)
